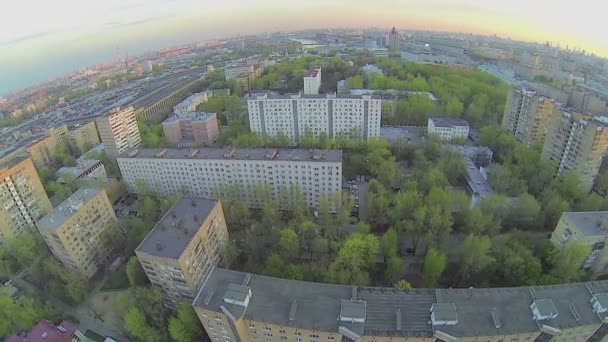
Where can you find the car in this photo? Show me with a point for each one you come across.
(6, 282)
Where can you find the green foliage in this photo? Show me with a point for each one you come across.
(225, 106)
(152, 135)
(136, 325)
(355, 261)
(22, 313)
(135, 273)
(403, 285)
(434, 264)
(185, 326)
(475, 255)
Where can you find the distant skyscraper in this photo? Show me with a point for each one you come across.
(527, 116)
(393, 39)
(118, 130)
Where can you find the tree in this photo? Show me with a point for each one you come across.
(22, 313)
(355, 260)
(394, 263)
(475, 255)
(601, 184)
(524, 211)
(135, 273)
(566, 263)
(136, 325)
(434, 264)
(403, 285)
(289, 243)
(185, 326)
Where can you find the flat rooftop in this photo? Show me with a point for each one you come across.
(83, 166)
(449, 122)
(179, 224)
(400, 313)
(234, 154)
(313, 71)
(67, 208)
(264, 97)
(590, 223)
(193, 116)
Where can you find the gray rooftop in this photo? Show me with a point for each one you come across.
(193, 116)
(590, 223)
(179, 224)
(449, 122)
(237, 153)
(320, 96)
(83, 166)
(67, 208)
(406, 313)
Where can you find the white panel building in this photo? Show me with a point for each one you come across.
(118, 130)
(206, 172)
(312, 81)
(294, 115)
(448, 128)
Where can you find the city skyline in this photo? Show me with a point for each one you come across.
(42, 44)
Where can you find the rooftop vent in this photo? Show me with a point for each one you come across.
(237, 294)
(292, 310)
(271, 154)
(159, 246)
(133, 153)
(444, 314)
(318, 155)
(353, 311)
(398, 320)
(496, 319)
(161, 153)
(193, 153)
(599, 302)
(229, 152)
(543, 309)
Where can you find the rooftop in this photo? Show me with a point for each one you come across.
(590, 223)
(173, 232)
(267, 96)
(313, 71)
(193, 116)
(449, 122)
(67, 208)
(377, 311)
(46, 331)
(236, 154)
(83, 166)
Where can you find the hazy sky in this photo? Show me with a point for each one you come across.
(40, 39)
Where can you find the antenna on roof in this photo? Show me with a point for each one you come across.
(159, 246)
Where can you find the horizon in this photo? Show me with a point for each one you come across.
(41, 46)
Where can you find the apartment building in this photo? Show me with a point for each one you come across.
(190, 103)
(118, 130)
(312, 81)
(448, 128)
(237, 306)
(191, 129)
(23, 200)
(207, 172)
(60, 133)
(331, 115)
(184, 246)
(587, 228)
(41, 149)
(246, 70)
(527, 116)
(576, 142)
(83, 137)
(79, 231)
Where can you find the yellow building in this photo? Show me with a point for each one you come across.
(587, 228)
(59, 133)
(527, 116)
(82, 231)
(576, 142)
(41, 150)
(22, 198)
(179, 253)
(83, 137)
(237, 306)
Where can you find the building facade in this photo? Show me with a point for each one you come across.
(59, 133)
(312, 81)
(237, 306)
(394, 39)
(333, 116)
(527, 116)
(191, 129)
(190, 103)
(448, 128)
(41, 150)
(118, 130)
(83, 137)
(208, 172)
(82, 231)
(23, 200)
(589, 229)
(184, 246)
(577, 143)
(91, 169)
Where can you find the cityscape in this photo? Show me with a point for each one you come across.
(323, 184)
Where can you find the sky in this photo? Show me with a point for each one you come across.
(41, 39)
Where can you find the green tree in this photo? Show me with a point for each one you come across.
(135, 273)
(136, 325)
(289, 243)
(566, 263)
(355, 260)
(403, 285)
(185, 326)
(434, 264)
(475, 255)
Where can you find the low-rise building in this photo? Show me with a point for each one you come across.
(91, 169)
(190, 103)
(589, 229)
(237, 306)
(23, 200)
(82, 231)
(448, 128)
(47, 331)
(184, 246)
(207, 172)
(191, 129)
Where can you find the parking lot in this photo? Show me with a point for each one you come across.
(126, 206)
(357, 190)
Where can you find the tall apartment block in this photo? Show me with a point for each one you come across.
(527, 116)
(41, 149)
(206, 172)
(312, 81)
(236, 306)
(334, 116)
(118, 130)
(60, 133)
(578, 143)
(74, 231)
(23, 200)
(191, 129)
(184, 246)
(83, 137)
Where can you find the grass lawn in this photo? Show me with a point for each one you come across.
(118, 280)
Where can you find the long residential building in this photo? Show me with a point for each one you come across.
(22, 198)
(118, 130)
(83, 137)
(207, 172)
(184, 246)
(331, 115)
(237, 306)
(527, 116)
(576, 142)
(78, 231)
